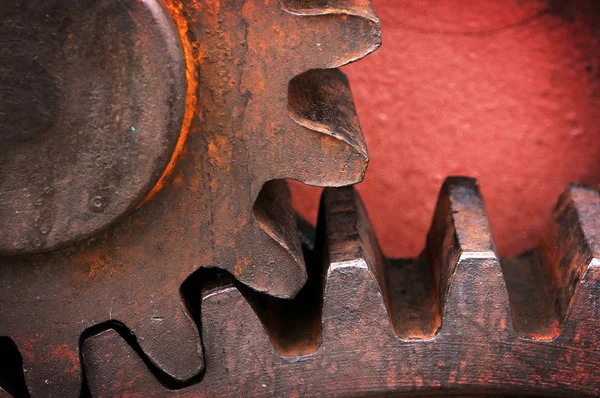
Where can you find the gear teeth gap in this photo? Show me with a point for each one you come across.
(293, 325)
(12, 379)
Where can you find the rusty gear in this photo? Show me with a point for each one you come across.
(261, 105)
(228, 98)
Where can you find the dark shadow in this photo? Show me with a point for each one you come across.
(12, 379)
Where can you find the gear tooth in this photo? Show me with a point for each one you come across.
(321, 100)
(113, 368)
(168, 337)
(332, 151)
(328, 24)
(550, 287)
(354, 270)
(280, 263)
(234, 342)
(293, 326)
(472, 293)
(570, 251)
(51, 369)
(344, 224)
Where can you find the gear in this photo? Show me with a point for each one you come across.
(261, 105)
(455, 320)
(205, 109)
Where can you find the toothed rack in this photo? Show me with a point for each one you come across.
(456, 320)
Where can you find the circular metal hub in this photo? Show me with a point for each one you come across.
(92, 98)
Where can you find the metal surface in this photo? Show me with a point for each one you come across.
(92, 97)
(261, 105)
(456, 320)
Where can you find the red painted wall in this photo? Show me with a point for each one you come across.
(507, 91)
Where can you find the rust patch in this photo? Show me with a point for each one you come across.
(66, 353)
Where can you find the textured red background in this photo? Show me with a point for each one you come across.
(504, 91)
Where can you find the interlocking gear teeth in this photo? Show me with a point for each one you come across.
(244, 133)
(247, 119)
(47, 325)
(474, 350)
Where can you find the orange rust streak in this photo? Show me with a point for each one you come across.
(176, 10)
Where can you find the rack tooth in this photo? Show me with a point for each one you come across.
(576, 276)
(471, 290)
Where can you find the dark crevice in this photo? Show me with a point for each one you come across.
(12, 379)
(293, 325)
(308, 237)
